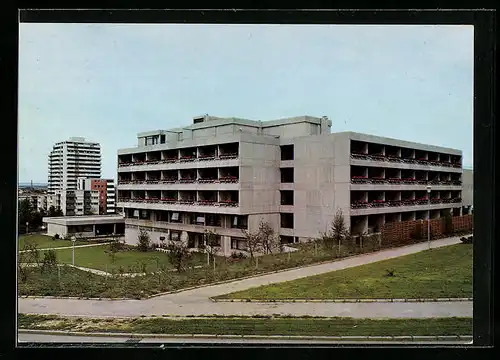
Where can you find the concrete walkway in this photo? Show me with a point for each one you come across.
(68, 247)
(197, 302)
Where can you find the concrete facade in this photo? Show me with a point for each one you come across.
(70, 160)
(85, 226)
(106, 190)
(230, 174)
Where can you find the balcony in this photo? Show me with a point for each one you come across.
(222, 203)
(361, 204)
(228, 179)
(406, 181)
(397, 159)
(228, 203)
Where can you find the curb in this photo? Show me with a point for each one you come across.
(287, 301)
(284, 337)
(223, 281)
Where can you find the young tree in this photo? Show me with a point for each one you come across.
(212, 244)
(253, 242)
(178, 254)
(268, 238)
(144, 241)
(337, 234)
(49, 261)
(339, 231)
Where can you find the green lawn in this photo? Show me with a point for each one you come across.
(438, 273)
(45, 242)
(129, 260)
(255, 326)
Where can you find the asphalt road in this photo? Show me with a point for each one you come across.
(24, 338)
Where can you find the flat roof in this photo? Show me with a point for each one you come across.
(85, 219)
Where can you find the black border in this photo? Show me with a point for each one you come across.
(484, 22)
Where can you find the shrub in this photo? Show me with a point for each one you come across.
(178, 255)
(467, 240)
(144, 240)
(49, 260)
(55, 237)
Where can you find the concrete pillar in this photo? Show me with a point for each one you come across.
(93, 230)
(226, 245)
(397, 217)
(184, 237)
(114, 228)
(380, 221)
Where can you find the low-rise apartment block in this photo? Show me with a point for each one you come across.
(228, 174)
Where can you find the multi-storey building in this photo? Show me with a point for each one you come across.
(76, 202)
(227, 175)
(70, 160)
(38, 201)
(106, 190)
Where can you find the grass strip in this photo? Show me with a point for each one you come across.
(437, 273)
(254, 326)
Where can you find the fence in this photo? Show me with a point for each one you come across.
(413, 231)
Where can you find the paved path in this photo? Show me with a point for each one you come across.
(197, 302)
(68, 247)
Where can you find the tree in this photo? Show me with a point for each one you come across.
(178, 254)
(28, 255)
(337, 233)
(253, 242)
(269, 240)
(49, 261)
(212, 244)
(26, 214)
(263, 240)
(53, 212)
(144, 241)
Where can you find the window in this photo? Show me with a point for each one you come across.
(239, 222)
(287, 175)
(286, 220)
(286, 239)
(162, 139)
(287, 152)
(286, 197)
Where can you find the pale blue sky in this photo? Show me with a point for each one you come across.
(107, 82)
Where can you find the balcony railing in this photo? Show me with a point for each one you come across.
(207, 202)
(185, 158)
(360, 204)
(394, 158)
(228, 203)
(206, 180)
(231, 155)
(228, 179)
(411, 181)
(187, 180)
(206, 157)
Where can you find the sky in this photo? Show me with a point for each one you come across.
(108, 82)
